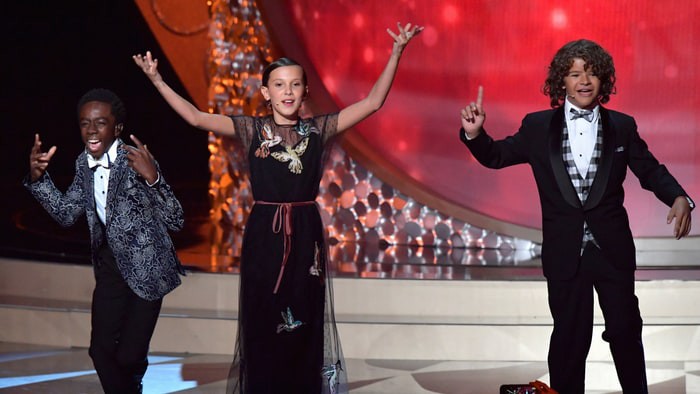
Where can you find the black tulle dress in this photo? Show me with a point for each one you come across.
(287, 339)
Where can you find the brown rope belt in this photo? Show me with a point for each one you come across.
(283, 222)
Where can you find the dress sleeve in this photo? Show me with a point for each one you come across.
(327, 126)
(244, 126)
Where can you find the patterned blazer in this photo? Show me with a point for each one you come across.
(138, 219)
(538, 143)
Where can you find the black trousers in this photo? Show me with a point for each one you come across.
(122, 327)
(571, 305)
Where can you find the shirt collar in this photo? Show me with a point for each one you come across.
(107, 158)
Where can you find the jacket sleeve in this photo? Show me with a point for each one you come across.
(64, 208)
(496, 154)
(169, 208)
(652, 175)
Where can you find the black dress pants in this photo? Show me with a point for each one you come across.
(122, 326)
(571, 305)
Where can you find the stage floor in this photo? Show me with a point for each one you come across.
(31, 234)
(41, 369)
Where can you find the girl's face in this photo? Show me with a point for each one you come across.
(286, 91)
(582, 86)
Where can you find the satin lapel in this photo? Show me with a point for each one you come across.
(555, 157)
(117, 172)
(603, 173)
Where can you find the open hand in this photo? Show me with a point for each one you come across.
(473, 115)
(680, 211)
(141, 160)
(38, 160)
(406, 33)
(148, 65)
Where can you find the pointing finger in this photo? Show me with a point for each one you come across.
(50, 153)
(480, 97)
(36, 148)
(401, 29)
(136, 141)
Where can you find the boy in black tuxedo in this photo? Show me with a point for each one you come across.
(579, 153)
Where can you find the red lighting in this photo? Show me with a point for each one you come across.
(506, 46)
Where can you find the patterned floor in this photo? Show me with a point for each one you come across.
(38, 369)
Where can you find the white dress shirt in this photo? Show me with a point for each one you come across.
(582, 136)
(101, 179)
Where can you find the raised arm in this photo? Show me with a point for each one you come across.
(354, 113)
(142, 161)
(473, 116)
(167, 206)
(219, 124)
(38, 160)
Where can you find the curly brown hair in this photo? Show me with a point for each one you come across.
(597, 59)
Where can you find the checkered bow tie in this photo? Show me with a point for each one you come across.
(584, 113)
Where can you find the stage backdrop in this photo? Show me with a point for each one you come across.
(506, 46)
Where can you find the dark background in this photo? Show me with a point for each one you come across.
(52, 53)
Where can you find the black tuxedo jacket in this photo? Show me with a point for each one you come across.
(538, 143)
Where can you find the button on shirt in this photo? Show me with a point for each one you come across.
(582, 136)
(101, 180)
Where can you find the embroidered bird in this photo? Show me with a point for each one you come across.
(315, 269)
(330, 372)
(289, 323)
(292, 155)
(303, 128)
(269, 140)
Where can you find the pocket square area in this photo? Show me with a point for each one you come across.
(620, 149)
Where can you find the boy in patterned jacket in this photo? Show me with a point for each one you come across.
(129, 209)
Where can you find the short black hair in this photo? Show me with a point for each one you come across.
(108, 97)
(597, 59)
(281, 62)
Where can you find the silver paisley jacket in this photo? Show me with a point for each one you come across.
(138, 219)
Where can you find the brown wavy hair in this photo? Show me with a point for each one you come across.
(596, 58)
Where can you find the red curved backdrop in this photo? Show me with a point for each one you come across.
(506, 47)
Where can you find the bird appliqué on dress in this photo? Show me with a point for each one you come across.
(289, 324)
(330, 372)
(269, 139)
(292, 155)
(315, 269)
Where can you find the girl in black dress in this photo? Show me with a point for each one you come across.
(287, 339)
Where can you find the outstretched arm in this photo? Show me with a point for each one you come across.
(219, 124)
(354, 113)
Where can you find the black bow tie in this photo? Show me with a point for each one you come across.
(584, 113)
